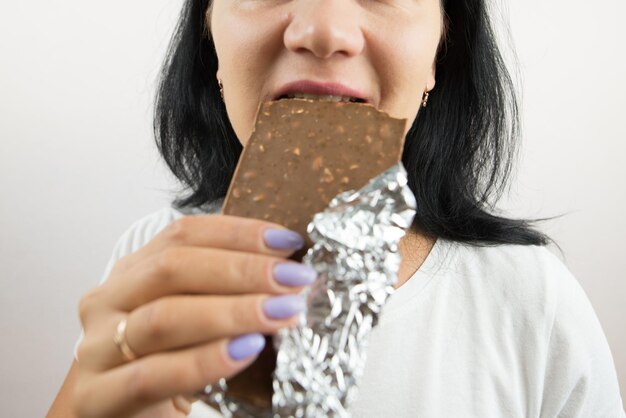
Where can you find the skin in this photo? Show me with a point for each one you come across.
(385, 49)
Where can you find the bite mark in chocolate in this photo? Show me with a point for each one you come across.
(303, 153)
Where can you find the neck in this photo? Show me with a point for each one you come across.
(414, 248)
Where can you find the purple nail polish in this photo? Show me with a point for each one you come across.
(246, 346)
(283, 239)
(283, 307)
(294, 274)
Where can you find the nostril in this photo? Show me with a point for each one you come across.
(324, 33)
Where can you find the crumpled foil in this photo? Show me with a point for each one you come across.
(321, 360)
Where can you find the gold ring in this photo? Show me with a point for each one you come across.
(121, 343)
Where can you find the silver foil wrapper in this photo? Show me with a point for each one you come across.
(355, 252)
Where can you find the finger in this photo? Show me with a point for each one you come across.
(181, 321)
(182, 404)
(219, 231)
(126, 390)
(193, 270)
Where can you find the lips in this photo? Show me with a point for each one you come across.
(324, 97)
(321, 91)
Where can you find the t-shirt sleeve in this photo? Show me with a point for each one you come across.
(135, 237)
(580, 378)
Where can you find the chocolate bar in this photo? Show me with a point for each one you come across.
(302, 154)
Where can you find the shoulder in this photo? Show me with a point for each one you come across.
(510, 259)
(527, 293)
(140, 232)
(527, 284)
(529, 280)
(528, 277)
(144, 229)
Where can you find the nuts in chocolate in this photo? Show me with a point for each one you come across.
(301, 155)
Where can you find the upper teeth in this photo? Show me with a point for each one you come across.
(326, 97)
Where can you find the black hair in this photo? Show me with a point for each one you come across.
(458, 152)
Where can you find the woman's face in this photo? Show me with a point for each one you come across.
(381, 51)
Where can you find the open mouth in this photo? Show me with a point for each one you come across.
(322, 97)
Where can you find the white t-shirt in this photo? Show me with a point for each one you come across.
(499, 331)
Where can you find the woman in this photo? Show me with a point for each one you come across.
(485, 322)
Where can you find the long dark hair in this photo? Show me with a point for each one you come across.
(458, 153)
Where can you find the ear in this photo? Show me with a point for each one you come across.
(207, 16)
(443, 37)
(207, 24)
(207, 20)
(430, 81)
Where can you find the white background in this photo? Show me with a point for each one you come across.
(78, 165)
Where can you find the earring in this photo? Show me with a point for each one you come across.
(425, 97)
(221, 86)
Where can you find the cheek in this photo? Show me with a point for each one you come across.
(405, 69)
(246, 52)
(241, 98)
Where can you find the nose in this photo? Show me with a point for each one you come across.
(325, 28)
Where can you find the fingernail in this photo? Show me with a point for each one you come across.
(282, 307)
(283, 239)
(294, 274)
(246, 346)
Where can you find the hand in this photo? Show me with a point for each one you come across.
(196, 299)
